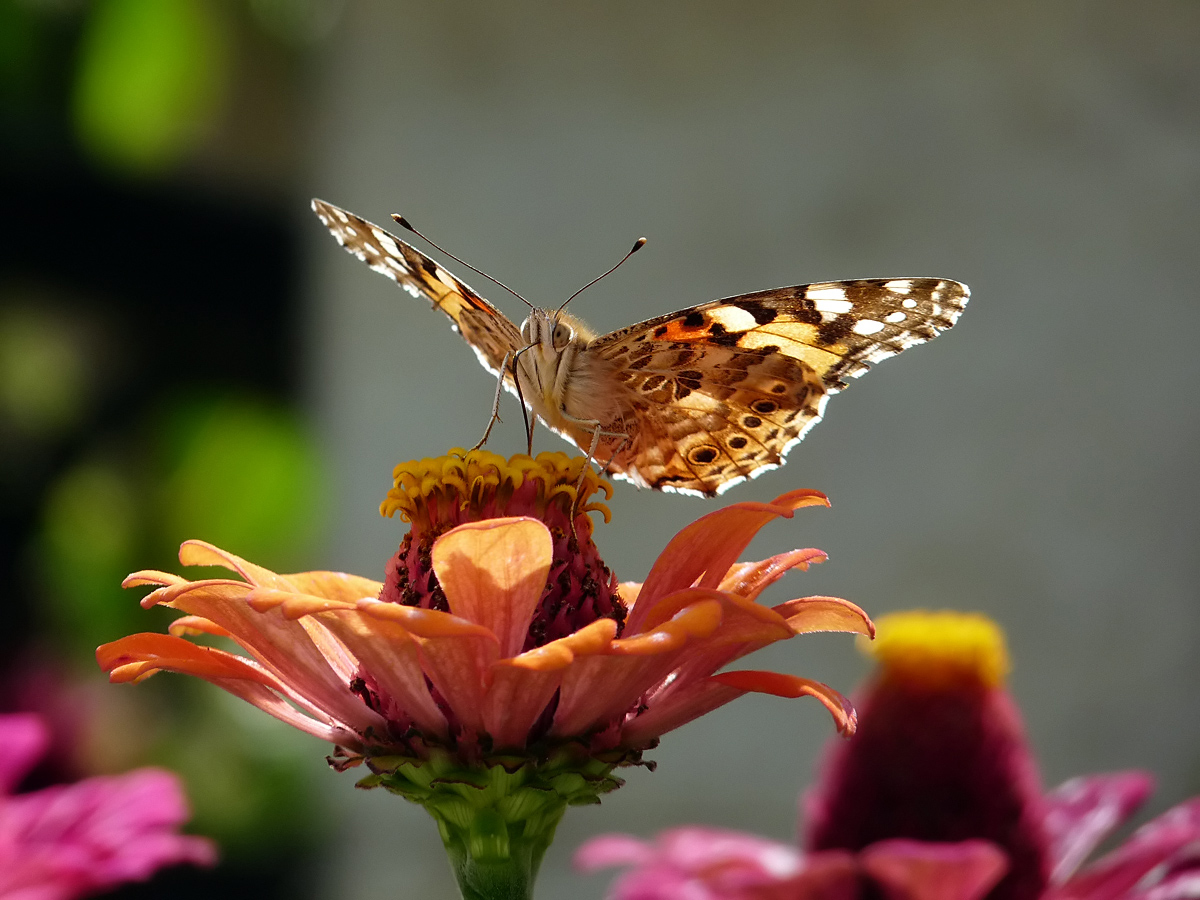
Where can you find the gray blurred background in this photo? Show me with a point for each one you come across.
(1037, 463)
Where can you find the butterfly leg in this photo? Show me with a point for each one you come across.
(598, 432)
(495, 416)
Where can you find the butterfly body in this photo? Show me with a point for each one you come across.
(693, 401)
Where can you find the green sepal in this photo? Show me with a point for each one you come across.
(498, 817)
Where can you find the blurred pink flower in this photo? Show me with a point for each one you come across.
(76, 839)
(936, 798)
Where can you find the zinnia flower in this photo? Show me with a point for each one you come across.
(72, 840)
(498, 674)
(937, 796)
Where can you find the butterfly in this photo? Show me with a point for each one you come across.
(694, 401)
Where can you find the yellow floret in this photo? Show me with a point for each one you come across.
(479, 476)
(940, 649)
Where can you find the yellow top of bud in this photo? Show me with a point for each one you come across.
(940, 649)
(479, 477)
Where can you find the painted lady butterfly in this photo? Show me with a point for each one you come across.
(694, 401)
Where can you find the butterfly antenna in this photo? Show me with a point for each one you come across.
(404, 223)
(637, 245)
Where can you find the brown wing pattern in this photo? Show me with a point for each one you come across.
(838, 328)
(706, 420)
(490, 333)
(722, 391)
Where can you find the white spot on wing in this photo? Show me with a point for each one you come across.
(867, 327)
(829, 293)
(385, 241)
(733, 318)
(903, 286)
(895, 318)
(909, 303)
(837, 307)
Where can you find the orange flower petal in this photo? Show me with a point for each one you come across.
(299, 652)
(494, 573)
(334, 585)
(745, 628)
(704, 551)
(389, 653)
(592, 638)
(699, 618)
(750, 578)
(629, 592)
(808, 614)
(598, 688)
(139, 656)
(781, 685)
(151, 576)
(179, 655)
(202, 553)
(166, 595)
(514, 701)
(293, 605)
(196, 625)
(705, 695)
(428, 623)
(457, 655)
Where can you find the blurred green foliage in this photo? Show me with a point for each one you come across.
(244, 474)
(42, 367)
(150, 75)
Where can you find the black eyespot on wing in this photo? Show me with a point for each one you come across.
(702, 455)
(751, 421)
(737, 443)
(764, 407)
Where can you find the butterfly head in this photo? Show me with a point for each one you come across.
(550, 331)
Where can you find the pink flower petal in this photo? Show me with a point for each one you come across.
(96, 834)
(1151, 845)
(494, 573)
(23, 740)
(1082, 812)
(915, 870)
(610, 850)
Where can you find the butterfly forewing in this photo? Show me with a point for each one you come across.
(489, 332)
(697, 400)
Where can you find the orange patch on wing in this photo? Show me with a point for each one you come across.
(678, 331)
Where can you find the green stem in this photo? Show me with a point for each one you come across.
(494, 861)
